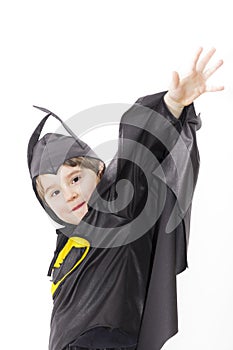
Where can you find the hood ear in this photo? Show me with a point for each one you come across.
(37, 132)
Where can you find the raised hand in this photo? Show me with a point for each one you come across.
(183, 92)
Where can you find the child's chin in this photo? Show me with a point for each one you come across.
(75, 220)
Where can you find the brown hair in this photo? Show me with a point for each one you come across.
(83, 162)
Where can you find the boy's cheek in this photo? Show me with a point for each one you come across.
(58, 208)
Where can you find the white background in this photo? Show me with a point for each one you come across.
(72, 55)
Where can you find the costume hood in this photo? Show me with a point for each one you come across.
(45, 155)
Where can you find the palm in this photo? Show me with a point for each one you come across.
(184, 91)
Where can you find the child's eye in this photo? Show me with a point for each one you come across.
(55, 193)
(75, 179)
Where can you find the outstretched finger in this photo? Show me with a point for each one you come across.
(196, 58)
(202, 64)
(214, 88)
(213, 69)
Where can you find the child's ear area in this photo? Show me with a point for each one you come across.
(101, 168)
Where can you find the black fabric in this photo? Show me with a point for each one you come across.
(127, 281)
(105, 337)
(95, 348)
(82, 348)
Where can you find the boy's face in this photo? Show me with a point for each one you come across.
(68, 192)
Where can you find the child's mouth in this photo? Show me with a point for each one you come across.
(78, 206)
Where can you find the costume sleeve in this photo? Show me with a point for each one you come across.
(154, 145)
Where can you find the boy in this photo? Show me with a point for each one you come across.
(114, 268)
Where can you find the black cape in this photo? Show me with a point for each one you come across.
(114, 274)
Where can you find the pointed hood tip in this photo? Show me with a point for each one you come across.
(36, 106)
(44, 110)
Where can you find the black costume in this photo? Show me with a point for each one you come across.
(114, 274)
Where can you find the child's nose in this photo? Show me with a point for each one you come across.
(69, 194)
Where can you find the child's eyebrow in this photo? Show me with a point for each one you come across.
(74, 172)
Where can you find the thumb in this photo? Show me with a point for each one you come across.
(175, 80)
